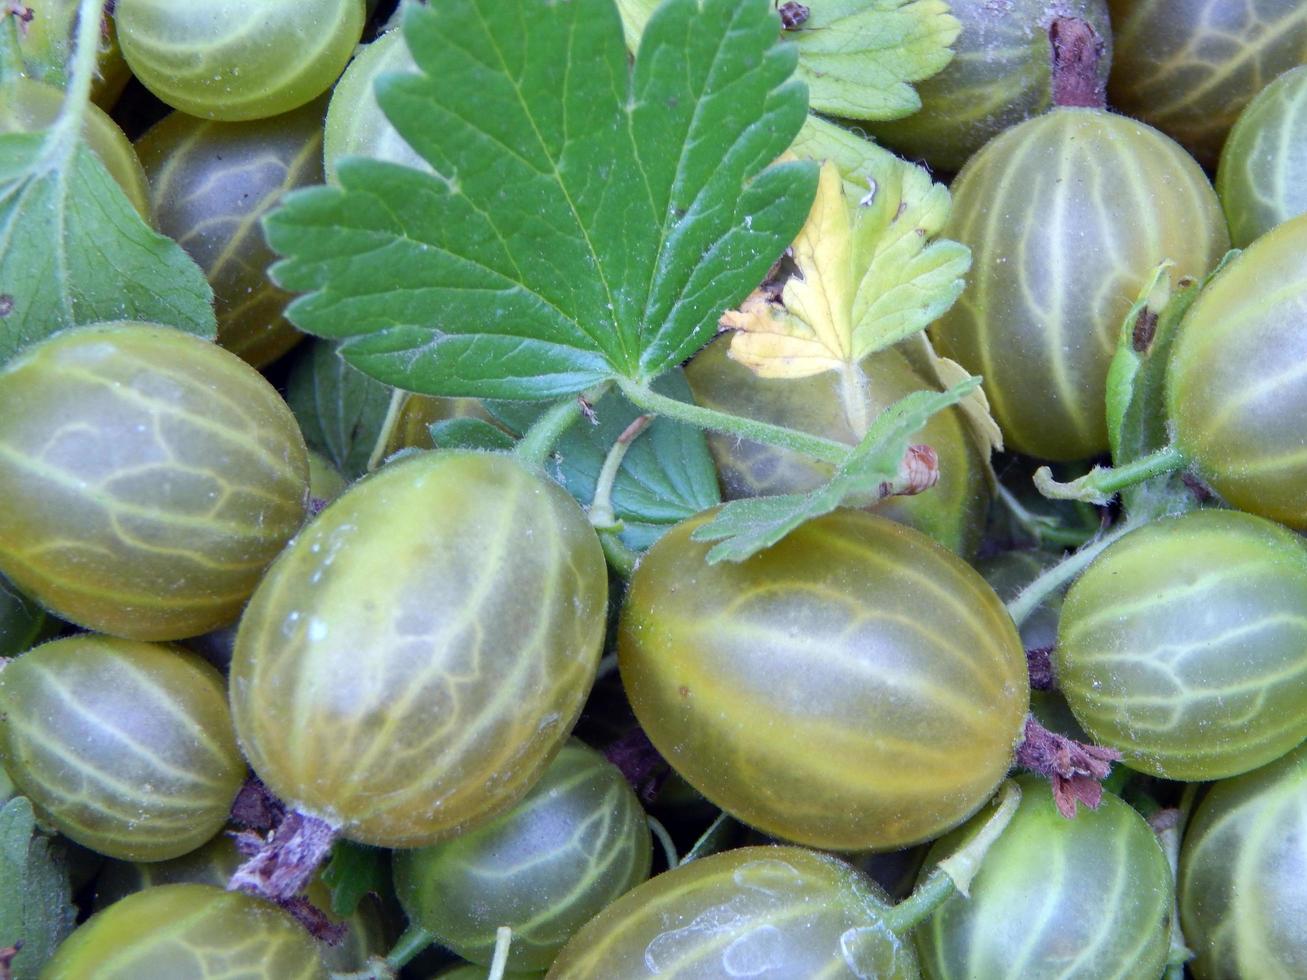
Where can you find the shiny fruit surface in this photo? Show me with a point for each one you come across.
(572, 846)
(1184, 645)
(417, 655)
(773, 912)
(853, 687)
(1065, 215)
(1243, 875)
(227, 59)
(194, 932)
(127, 747)
(952, 512)
(1236, 389)
(148, 476)
(1055, 898)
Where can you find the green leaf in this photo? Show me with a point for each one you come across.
(745, 527)
(666, 476)
(587, 219)
(353, 871)
(469, 433)
(73, 250)
(35, 895)
(859, 57)
(341, 410)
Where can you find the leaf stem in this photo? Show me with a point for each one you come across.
(393, 411)
(602, 515)
(1030, 598)
(642, 396)
(413, 941)
(499, 964)
(1102, 483)
(538, 442)
(621, 557)
(62, 138)
(665, 839)
(954, 874)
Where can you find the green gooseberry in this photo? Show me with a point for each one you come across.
(575, 843)
(1184, 645)
(210, 184)
(853, 687)
(1236, 390)
(1189, 67)
(1055, 898)
(952, 512)
(126, 747)
(188, 931)
(1243, 875)
(148, 476)
(1065, 215)
(752, 911)
(416, 656)
(1262, 178)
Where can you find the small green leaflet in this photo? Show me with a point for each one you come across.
(745, 527)
(354, 871)
(35, 896)
(470, 433)
(73, 250)
(666, 476)
(587, 220)
(341, 411)
(859, 57)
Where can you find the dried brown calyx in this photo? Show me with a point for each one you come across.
(1077, 51)
(1073, 768)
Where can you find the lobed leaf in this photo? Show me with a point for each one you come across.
(586, 219)
(35, 895)
(74, 251)
(340, 410)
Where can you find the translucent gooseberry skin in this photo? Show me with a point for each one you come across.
(1055, 898)
(952, 512)
(417, 655)
(210, 184)
(1184, 645)
(192, 931)
(149, 477)
(227, 59)
(1189, 67)
(367, 933)
(568, 849)
(355, 123)
(1262, 178)
(28, 106)
(1065, 215)
(1235, 392)
(853, 687)
(126, 747)
(752, 911)
(1243, 875)
(1000, 75)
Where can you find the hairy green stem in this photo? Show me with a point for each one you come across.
(539, 440)
(954, 874)
(602, 515)
(393, 412)
(1030, 598)
(413, 941)
(621, 557)
(665, 839)
(61, 140)
(826, 450)
(499, 963)
(1102, 483)
(1044, 529)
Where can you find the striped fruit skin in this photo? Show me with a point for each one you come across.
(149, 477)
(1000, 75)
(367, 931)
(1189, 67)
(1243, 876)
(210, 184)
(854, 687)
(1236, 383)
(1055, 899)
(571, 847)
(780, 913)
(1262, 179)
(1184, 645)
(126, 747)
(952, 512)
(232, 60)
(1065, 214)
(188, 932)
(415, 657)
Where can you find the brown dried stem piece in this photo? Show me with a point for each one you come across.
(1073, 767)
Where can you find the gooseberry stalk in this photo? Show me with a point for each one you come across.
(602, 515)
(539, 440)
(1030, 598)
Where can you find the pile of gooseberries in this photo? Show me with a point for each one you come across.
(303, 674)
